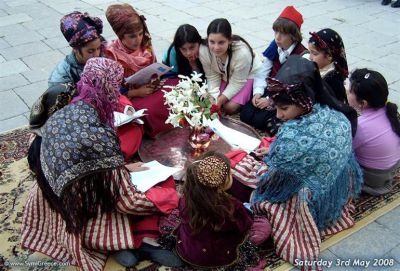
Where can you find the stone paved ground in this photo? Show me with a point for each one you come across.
(31, 44)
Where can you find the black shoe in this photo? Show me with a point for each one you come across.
(386, 2)
(396, 4)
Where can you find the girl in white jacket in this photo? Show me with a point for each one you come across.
(230, 64)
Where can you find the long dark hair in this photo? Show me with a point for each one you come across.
(206, 206)
(185, 33)
(372, 87)
(222, 26)
(84, 198)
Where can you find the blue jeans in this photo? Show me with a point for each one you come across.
(130, 258)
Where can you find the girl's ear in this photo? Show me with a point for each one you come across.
(363, 104)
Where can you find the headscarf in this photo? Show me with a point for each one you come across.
(81, 165)
(331, 42)
(79, 28)
(76, 143)
(99, 86)
(53, 99)
(300, 80)
(124, 19)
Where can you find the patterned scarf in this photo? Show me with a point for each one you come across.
(313, 152)
(99, 86)
(79, 28)
(76, 143)
(330, 41)
(53, 99)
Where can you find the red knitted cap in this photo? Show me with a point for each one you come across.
(293, 15)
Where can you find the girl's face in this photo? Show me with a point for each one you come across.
(351, 96)
(218, 44)
(319, 57)
(190, 50)
(91, 49)
(283, 40)
(288, 112)
(134, 40)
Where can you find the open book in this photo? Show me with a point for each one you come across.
(129, 115)
(156, 173)
(235, 139)
(145, 75)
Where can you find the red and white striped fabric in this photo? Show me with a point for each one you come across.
(248, 171)
(43, 229)
(294, 231)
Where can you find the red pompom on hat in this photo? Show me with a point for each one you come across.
(293, 15)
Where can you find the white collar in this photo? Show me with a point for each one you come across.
(284, 54)
(324, 71)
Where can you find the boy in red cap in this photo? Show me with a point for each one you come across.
(258, 112)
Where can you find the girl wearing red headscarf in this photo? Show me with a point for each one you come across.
(134, 51)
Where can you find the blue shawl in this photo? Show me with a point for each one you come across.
(313, 152)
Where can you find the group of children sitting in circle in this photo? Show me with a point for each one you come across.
(328, 141)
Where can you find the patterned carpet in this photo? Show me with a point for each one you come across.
(16, 180)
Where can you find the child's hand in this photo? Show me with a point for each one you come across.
(263, 103)
(134, 167)
(222, 100)
(261, 151)
(154, 82)
(255, 99)
(142, 91)
(130, 111)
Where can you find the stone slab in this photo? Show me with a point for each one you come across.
(379, 241)
(30, 93)
(11, 105)
(12, 67)
(12, 81)
(12, 123)
(14, 19)
(24, 50)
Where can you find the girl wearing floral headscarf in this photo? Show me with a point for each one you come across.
(83, 34)
(327, 50)
(83, 203)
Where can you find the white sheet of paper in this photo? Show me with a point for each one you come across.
(234, 138)
(143, 76)
(156, 173)
(122, 118)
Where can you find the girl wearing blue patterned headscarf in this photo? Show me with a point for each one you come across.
(312, 172)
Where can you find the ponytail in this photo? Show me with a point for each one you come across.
(393, 116)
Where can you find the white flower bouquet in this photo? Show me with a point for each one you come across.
(190, 102)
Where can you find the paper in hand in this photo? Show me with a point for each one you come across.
(156, 173)
(122, 118)
(234, 138)
(145, 75)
